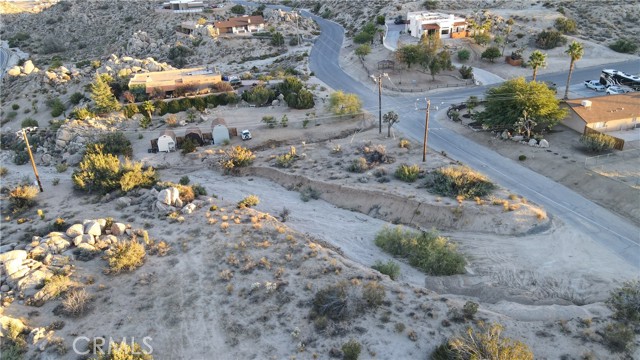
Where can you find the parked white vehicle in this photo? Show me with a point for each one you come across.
(594, 85)
(612, 90)
(246, 135)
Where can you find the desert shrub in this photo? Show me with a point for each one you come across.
(130, 109)
(28, 122)
(549, 39)
(358, 165)
(407, 173)
(76, 97)
(98, 171)
(199, 190)
(625, 302)
(57, 107)
(125, 256)
(482, 38)
(59, 225)
(491, 53)
(135, 176)
(373, 294)
(237, 157)
(597, 142)
(115, 143)
(122, 351)
(82, 113)
(466, 72)
(390, 268)
(483, 344)
(619, 337)
(522, 157)
(23, 197)
(20, 158)
(188, 146)
(309, 193)
(431, 253)
(13, 351)
(624, 46)
(566, 26)
(464, 55)
(455, 181)
(270, 121)
(287, 160)
(351, 350)
(3, 171)
(470, 309)
(184, 180)
(56, 285)
(76, 302)
(404, 144)
(15, 106)
(248, 202)
(334, 302)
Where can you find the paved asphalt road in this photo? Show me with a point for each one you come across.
(5, 56)
(595, 222)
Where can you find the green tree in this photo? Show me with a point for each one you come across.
(363, 50)
(464, 55)
(491, 53)
(103, 97)
(259, 95)
(277, 39)
(537, 59)
(97, 171)
(390, 118)
(575, 51)
(302, 100)
(342, 103)
(408, 54)
(148, 108)
(505, 104)
(238, 9)
(482, 38)
(380, 20)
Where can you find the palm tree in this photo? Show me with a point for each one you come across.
(537, 59)
(148, 107)
(575, 50)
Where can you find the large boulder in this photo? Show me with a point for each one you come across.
(188, 209)
(14, 71)
(14, 266)
(175, 194)
(13, 255)
(75, 230)
(123, 201)
(84, 238)
(163, 208)
(64, 134)
(164, 196)
(93, 227)
(117, 229)
(533, 142)
(544, 143)
(28, 67)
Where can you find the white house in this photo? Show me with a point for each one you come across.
(219, 131)
(445, 25)
(167, 141)
(184, 6)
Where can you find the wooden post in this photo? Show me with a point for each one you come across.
(426, 131)
(380, 104)
(33, 163)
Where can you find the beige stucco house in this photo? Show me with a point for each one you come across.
(604, 113)
(444, 25)
(167, 81)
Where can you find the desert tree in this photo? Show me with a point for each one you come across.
(103, 97)
(504, 104)
(575, 51)
(537, 59)
(148, 108)
(277, 39)
(491, 53)
(341, 103)
(390, 118)
(408, 54)
(363, 50)
(525, 123)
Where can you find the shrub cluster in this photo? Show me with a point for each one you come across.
(249, 201)
(624, 46)
(125, 256)
(407, 173)
(485, 343)
(344, 300)
(598, 142)
(237, 157)
(459, 181)
(566, 26)
(549, 39)
(28, 122)
(358, 165)
(287, 160)
(390, 268)
(625, 302)
(431, 253)
(199, 103)
(23, 197)
(351, 350)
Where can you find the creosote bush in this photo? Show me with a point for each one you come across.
(358, 165)
(122, 351)
(431, 253)
(485, 343)
(407, 173)
(248, 202)
(619, 337)
(455, 181)
(23, 197)
(351, 350)
(625, 302)
(390, 268)
(344, 300)
(76, 302)
(237, 157)
(125, 256)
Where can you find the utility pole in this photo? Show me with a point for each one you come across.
(426, 130)
(378, 79)
(33, 163)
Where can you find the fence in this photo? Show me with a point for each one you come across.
(612, 157)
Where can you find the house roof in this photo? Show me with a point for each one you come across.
(218, 121)
(240, 21)
(169, 133)
(430, 26)
(607, 108)
(193, 130)
(459, 23)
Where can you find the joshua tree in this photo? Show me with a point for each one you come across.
(575, 50)
(537, 59)
(390, 118)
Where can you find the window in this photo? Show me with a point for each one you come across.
(445, 31)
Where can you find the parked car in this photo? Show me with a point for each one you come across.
(246, 135)
(616, 90)
(594, 85)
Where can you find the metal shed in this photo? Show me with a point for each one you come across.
(167, 141)
(219, 131)
(195, 135)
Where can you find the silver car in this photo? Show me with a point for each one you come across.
(594, 85)
(612, 90)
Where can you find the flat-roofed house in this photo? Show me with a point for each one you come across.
(167, 81)
(604, 113)
(240, 25)
(183, 6)
(444, 25)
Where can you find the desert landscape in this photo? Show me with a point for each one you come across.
(282, 246)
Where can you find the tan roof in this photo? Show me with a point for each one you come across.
(218, 121)
(430, 26)
(240, 21)
(459, 23)
(193, 130)
(169, 133)
(608, 107)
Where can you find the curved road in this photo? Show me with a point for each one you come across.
(595, 222)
